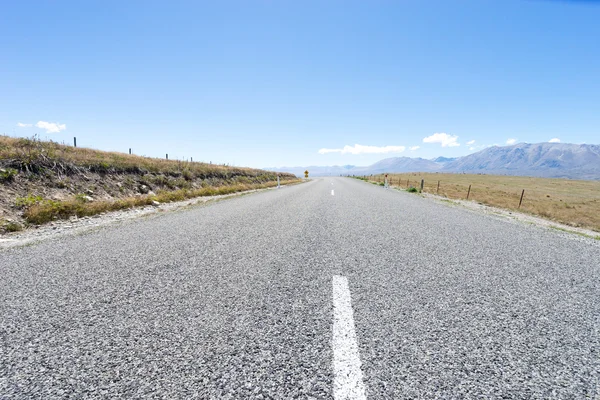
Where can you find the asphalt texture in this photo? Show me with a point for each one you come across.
(234, 300)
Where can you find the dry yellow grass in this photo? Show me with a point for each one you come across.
(32, 154)
(49, 210)
(42, 181)
(571, 202)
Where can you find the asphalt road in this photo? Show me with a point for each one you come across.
(253, 297)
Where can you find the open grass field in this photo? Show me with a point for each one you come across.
(571, 202)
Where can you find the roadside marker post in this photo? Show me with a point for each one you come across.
(422, 184)
(438, 189)
(469, 192)
(278, 185)
(74, 142)
(385, 184)
(521, 201)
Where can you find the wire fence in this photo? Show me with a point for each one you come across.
(572, 202)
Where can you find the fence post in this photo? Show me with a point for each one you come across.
(167, 156)
(469, 192)
(74, 142)
(520, 201)
(130, 150)
(422, 184)
(438, 189)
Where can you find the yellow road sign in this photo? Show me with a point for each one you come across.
(306, 174)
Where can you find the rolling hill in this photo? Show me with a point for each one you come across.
(549, 160)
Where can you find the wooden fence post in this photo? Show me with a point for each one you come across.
(438, 189)
(422, 184)
(74, 142)
(469, 192)
(520, 201)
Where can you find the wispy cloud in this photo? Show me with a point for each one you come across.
(22, 125)
(443, 138)
(360, 149)
(511, 141)
(51, 127)
(470, 143)
(413, 148)
(554, 140)
(479, 147)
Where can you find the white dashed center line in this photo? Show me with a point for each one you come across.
(348, 380)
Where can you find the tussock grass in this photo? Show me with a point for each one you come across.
(10, 226)
(49, 210)
(571, 202)
(34, 174)
(33, 155)
(7, 175)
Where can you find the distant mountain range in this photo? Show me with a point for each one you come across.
(549, 160)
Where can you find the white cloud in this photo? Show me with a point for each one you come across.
(470, 142)
(413, 148)
(51, 127)
(555, 140)
(443, 138)
(511, 141)
(22, 125)
(360, 149)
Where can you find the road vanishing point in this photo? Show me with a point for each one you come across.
(297, 293)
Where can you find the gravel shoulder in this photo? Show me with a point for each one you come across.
(75, 226)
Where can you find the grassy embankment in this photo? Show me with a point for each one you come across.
(571, 202)
(43, 181)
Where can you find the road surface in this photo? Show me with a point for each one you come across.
(335, 288)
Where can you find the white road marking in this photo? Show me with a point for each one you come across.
(348, 380)
(332, 192)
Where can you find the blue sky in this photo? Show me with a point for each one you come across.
(273, 83)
